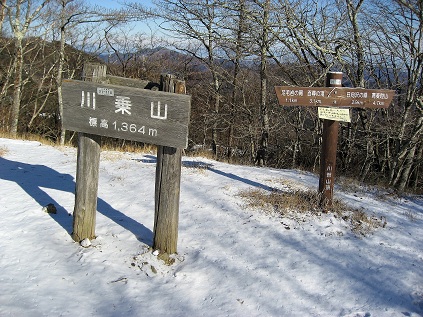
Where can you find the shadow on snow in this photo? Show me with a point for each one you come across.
(208, 166)
(32, 178)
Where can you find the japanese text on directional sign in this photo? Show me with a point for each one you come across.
(334, 97)
(143, 115)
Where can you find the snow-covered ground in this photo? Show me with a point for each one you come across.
(232, 260)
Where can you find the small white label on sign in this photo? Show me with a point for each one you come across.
(336, 114)
(105, 91)
(337, 82)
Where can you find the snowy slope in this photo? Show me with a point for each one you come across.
(232, 260)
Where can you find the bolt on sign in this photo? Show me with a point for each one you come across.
(136, 114)
(334, 97)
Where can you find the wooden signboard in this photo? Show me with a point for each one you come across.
(334, 97)
(334, 102)
(136, 114)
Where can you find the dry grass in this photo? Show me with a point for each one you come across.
(112, 156)
(349, 184)
(363, 224)
(412, 216)
(130, 147)
(27, 137)
(201, 153)
(302, 204)
(3, 151)
(281, 202)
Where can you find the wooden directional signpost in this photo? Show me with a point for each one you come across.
(95, 109)
(334, 97)
(336, 101)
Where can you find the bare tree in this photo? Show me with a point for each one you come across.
(355, 65)
(402, 37)
(263, 42)
(73, 14)
(69, 13)
(236, 22)
(20, 14)
(197, 25)
(2, 14)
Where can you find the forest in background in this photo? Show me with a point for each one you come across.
(232, 54)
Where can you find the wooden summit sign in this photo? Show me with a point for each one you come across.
(94, 109)
(136, 114)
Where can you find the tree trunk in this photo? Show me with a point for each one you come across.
(418, 167)
(403, 176)
(2, 15)
(369, 160)
(238, 55)
(405, 158)
(264, 116)
(17, 87)
(353, 11)
(215, 115)
(59, 83)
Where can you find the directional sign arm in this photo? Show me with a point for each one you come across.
(334, 97)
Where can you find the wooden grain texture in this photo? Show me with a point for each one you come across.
(168, 179)
(328, 151)
(167, 188)
(87, 172)
(127, 82)
(86, 189)
(334, 97)
(152, 117)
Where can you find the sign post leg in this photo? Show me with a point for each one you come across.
(166, 216)
(86, 189)
(329, 149)
(87, 173)
(167, 189)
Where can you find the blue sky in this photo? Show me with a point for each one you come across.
(145, 27)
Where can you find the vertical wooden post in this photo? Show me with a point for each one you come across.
(329, 149)
(87, 172)
(86, 189)
(168, 182)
